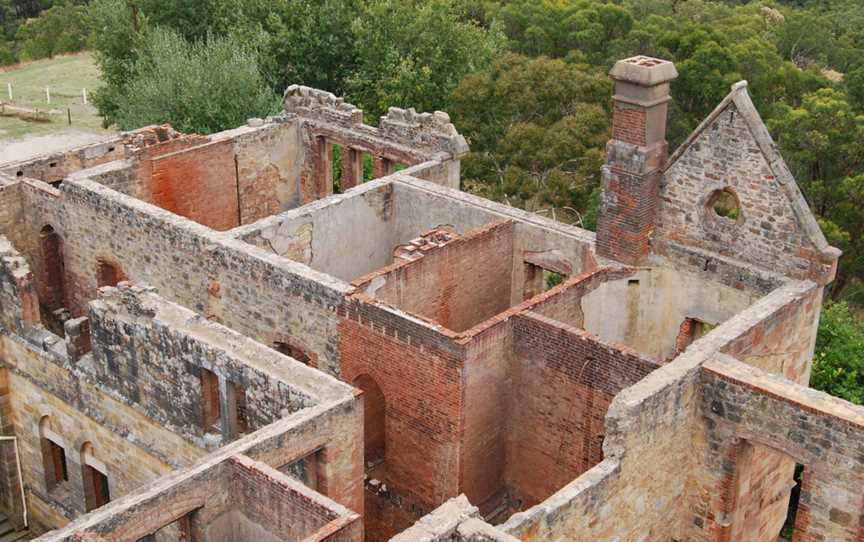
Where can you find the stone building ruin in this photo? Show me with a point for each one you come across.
(253, 336)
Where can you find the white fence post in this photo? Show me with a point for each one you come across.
(84, 94)
(9, 88)
(48, 94)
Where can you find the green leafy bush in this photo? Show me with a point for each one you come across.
(202, 87)
(838, 366)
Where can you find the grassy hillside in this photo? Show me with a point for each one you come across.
(66, 76)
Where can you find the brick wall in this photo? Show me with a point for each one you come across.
(422, 392)
(458, 285)
(199, 183)
(563, 383)
(486, 415)
(628, 123)
(286, 508)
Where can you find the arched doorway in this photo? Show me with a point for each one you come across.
(374, 416)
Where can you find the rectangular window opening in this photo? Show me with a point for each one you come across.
(96, 492)
(305, 469)
(336, 167)
(242, 412)
(56, 470)
(367, 163)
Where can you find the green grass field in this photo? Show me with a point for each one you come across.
(66, 76)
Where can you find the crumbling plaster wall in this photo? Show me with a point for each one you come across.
(345, 236)
(645, 311)
(268, 159)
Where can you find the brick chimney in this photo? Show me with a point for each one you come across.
(635, 157)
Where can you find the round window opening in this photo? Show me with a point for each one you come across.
(724, 204)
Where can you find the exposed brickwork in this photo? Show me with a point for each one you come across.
(770, 415)
(457, 285)
(563, 385)
(628, 124)
(468, 377)
(200, 184)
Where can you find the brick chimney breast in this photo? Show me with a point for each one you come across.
(641, 96)
(635, 157)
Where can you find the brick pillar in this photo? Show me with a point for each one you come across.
(352, 168)
(635, 157)
(381, 167)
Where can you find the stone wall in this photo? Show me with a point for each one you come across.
(56, 166)
(222, 498)
(139, 340)
(652, 423)
(43, 383)
(219, 278)
(732, 153)
(743, 407)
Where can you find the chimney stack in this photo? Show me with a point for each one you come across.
(635, 157)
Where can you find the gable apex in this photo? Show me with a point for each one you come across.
(740, 99)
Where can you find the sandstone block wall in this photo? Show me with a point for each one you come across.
(156, 339)
(744, 406)
(733, 152)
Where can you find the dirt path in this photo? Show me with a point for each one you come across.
(28, 147)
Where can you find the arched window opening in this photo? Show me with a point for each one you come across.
(51, 245)
(95, 477)
(374, 420)
(53, 455)
(108, 273)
